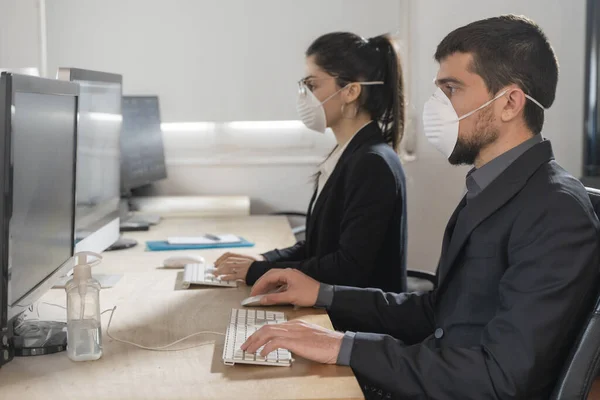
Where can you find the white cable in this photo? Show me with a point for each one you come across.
(160, 348)
(165, 347)
(37, 307)
(51, 304)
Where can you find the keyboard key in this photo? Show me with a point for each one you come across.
(283, 354)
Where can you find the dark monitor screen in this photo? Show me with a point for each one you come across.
(41, 227)
(142, 152)
(98, 156)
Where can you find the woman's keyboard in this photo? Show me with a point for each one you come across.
(201, 274)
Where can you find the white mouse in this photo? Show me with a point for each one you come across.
(254, 301)
(180, 261)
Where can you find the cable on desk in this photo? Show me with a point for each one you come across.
(160, 348)
(23, 320)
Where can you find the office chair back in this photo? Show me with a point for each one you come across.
(583, 363)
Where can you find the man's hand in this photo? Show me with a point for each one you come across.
(299, 289)
(303, 339)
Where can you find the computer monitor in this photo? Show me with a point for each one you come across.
(38, 136)
(143, 156)
(98, 158)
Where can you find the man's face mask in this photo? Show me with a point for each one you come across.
(441, 122)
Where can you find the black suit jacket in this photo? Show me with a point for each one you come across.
(517, 274)
(356, 233)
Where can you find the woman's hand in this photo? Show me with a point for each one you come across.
(232, 266)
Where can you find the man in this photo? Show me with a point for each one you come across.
(520, 256)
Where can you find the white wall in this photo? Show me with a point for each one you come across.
(19, 34)
(222, 60)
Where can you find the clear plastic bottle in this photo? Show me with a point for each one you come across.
(84, 334)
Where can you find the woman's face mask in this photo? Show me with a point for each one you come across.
(310, 108)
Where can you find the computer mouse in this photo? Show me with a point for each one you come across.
(254, 301)
(180, 261)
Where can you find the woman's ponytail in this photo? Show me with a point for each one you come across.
(393, 116)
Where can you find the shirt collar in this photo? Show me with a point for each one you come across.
(479, 178)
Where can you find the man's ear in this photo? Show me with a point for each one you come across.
(515, 103)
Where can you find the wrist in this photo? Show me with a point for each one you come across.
(338, 340)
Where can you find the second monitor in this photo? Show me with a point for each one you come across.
(98, 158)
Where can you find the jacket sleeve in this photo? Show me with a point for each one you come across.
(543, 297)
(296, 252)
(370, 199)
(407, 316)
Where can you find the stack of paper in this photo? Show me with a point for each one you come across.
(209, 239)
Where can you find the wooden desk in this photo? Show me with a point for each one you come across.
(152, 313)
(595, 392)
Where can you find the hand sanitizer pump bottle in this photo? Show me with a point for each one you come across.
(84, 335)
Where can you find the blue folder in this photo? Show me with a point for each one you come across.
(163, 245)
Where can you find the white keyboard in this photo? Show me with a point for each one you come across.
(197, 274)
(244, 323)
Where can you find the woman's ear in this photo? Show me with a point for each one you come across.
(352, 92)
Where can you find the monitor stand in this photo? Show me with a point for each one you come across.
(144, 219)
(129, 212)
(37, 338)
(122, 243)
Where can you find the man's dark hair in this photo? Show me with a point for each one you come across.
(509, 50)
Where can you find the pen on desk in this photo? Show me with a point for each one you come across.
(212, 237)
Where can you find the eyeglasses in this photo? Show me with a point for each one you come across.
(305, 83)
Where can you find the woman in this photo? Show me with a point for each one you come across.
(356, 225)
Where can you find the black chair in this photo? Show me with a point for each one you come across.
(420, 281)
(298, 231)
(583, 363)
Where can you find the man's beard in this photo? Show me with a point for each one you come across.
(467, 150)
